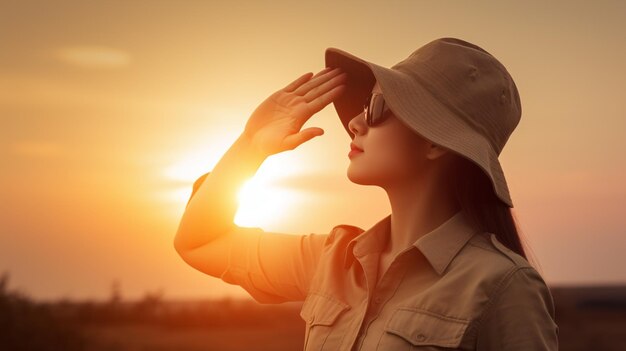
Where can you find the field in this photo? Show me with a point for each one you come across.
(137, 337)
(589, 318)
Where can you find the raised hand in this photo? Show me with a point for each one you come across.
(275, 124)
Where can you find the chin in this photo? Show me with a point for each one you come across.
(360, 177)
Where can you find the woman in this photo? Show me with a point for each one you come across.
(446, 269)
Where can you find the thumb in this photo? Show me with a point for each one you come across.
(295, 140)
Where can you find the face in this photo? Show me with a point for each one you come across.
(392, 153)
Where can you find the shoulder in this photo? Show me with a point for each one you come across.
(486, 258)
(488, 250)
(519, 303)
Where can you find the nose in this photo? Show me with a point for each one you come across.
(357, 124)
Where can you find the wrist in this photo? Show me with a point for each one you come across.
(246, 147)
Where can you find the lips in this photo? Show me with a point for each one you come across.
(354, 147)
(354, 150)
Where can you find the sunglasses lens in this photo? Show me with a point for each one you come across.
(374, 108)
(367, 109)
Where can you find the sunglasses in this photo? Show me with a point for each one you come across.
(375, 109)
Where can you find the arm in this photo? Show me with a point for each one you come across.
(521, 316)
(206, 230)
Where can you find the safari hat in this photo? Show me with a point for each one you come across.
(449, 91)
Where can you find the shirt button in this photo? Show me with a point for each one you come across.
(421, 337)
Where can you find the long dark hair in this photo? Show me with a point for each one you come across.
(483, 208)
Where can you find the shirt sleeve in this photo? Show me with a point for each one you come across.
(196, 185)
(273, 267)
(521, 316)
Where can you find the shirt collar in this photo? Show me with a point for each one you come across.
(443, 243)
(369, 241)
(439, 246)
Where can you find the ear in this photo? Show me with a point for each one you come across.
(436, 151)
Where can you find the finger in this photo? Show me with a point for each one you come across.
(299, 81)
(325, 87)
(295, 140)
(320, 78)
(324, 77)
(321, 101)
(303, 78)
(324, 70)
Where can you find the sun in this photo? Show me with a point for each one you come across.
(263, 203)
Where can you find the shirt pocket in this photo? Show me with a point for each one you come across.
(411, 328)
(321, 312)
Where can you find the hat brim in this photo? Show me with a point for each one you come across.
(418, 108)
(359, 83)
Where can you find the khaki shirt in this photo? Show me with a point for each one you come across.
(454, 288)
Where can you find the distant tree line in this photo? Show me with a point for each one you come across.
(153, 310)
(28, 326)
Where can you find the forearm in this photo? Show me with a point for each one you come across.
(275, 127)
(210, 212)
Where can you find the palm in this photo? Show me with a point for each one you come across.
(275, 124)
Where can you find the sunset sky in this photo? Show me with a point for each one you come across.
(109, 110)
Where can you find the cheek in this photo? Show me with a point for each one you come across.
(401, 145)
(386, 160)
(400, 158)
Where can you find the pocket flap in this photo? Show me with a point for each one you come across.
(420, 327)
(319, 309)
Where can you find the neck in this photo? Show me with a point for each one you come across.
(417, 208)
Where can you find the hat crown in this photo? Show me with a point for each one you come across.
(472, 83)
